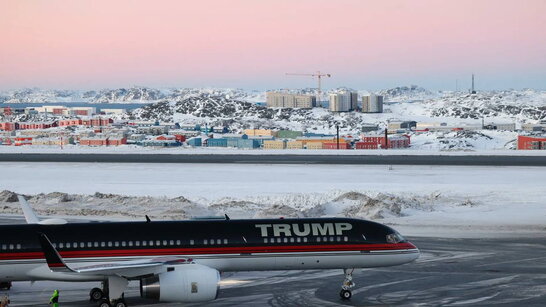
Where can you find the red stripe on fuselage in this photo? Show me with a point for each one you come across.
(211, 250)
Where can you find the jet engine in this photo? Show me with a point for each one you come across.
(183, 283)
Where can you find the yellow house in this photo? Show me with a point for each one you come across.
(294, 145)
(314, 145)
(275, 144)
(260, 132)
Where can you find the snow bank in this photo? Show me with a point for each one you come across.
(424, 200)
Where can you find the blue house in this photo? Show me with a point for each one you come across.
(217, 142)
(195, 142)
(248, 144)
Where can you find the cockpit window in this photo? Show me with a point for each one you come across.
(395, 238)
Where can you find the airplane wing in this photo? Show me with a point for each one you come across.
(128, 269)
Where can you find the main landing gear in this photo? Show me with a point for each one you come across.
(348, 283)
(101, 296)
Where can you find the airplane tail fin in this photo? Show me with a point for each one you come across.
(30, 216)
(54, 260)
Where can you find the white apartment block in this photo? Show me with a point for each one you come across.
(287, 100)
(372, 104)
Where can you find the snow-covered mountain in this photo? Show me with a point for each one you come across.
(123, 95)
(528, 105)
(406, 93)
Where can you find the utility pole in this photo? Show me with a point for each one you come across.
(337, 135)
(386, 139)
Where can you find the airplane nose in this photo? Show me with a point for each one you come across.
(417, 252)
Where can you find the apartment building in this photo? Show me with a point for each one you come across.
(287, 100)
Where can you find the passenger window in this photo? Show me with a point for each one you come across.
(89, 244)
(292, 240)
(191, 242)
(130, 243)
(144, 243)
(61, 245)
(265, 240)
(205, 242)
(54, 245)
(151, 243)
(96, 244)
(68, 245)
(177, 242)
(298, 239)
(211, 241)
(4, 246)
(109, 243)
(123, 243)
(331, 239)
(219, 241)
(11, 246)
(278, 240)
(116, 244)
(285, 240)
(345, 239)
(164, 242)
(102, 244)
(171, 242)
(158, 243)
(325, 239)
(82, 245)
(18, 246)
(304, 239)
(225, 241)
(338, 239)
(318, 239)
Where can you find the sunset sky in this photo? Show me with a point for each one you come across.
(252, 43)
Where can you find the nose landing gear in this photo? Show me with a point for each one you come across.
(347, 284)
(101, 296)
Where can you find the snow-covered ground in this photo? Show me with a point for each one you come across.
(423, 200)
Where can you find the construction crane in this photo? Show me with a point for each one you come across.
(319, 76)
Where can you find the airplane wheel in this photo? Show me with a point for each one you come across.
(345, 294)
(104, 303)
(120, 303)
(96, 294)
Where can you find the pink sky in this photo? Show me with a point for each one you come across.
(253, 43)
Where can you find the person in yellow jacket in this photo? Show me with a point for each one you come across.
(54, 300)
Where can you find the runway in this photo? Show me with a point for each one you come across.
(450, 272)
(493, 160)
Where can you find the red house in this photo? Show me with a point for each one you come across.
(94, 141)
(531, 143)
(333, 145)
(97, 122)
(378, 141)
(8, 126)
(180, 138)
(70, 122)
(20, 141)
(116, 141)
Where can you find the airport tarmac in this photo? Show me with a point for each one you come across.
(450, 272)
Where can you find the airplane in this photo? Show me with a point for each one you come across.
(181, 261)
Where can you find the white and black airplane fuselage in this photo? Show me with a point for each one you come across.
(165, 256)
